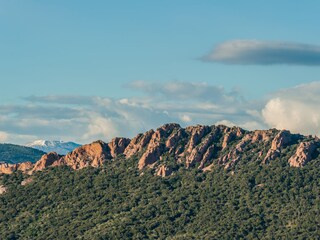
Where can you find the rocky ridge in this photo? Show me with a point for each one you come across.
(198, 146)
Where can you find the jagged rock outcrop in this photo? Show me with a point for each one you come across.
(152, 155)
(25, 166)
(195, 146)
(27, 181)
(230, 134)
(163, 171)
(234, 154)
(282, 139)
(138, 143)
(46, 160)
(156, 146)
(173, 141)
(3, 189)
(208, 168)
(207, 156)
(261, 135)
(196, 134)
(199, 145)
(6, 168)
(118, 145)
(93, 154)
(303, 154)
(197, 153)
(278, 140)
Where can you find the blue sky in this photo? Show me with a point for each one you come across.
(119, 50)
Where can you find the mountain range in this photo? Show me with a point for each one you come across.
(59, 147)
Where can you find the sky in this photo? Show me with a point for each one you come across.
(87, 70)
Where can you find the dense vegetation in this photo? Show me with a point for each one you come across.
(11, 153)
(118, 202)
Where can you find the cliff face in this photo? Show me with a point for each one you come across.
(195, 146)
(304, 154)
(46, 161)
(6, 168)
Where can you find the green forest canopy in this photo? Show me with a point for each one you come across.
(118, 202)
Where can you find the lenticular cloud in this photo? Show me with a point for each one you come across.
(253, 52)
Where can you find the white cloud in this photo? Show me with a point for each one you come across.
(296, 109)
(100, 127)
(92, 118)
(186, 118)
(85, 119)
(265, 53)
(179, 90)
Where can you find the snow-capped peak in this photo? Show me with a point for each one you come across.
(59, 147)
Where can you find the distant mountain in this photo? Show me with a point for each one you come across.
(59, 147)
(10, 153)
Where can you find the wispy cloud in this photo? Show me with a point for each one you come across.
(180, 90)
(85, 119)
(64, 99)
(254, 52)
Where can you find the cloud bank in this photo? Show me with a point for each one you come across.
(254, 52)
(85, 119)
(296, 109)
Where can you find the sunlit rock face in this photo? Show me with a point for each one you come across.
(202, 147)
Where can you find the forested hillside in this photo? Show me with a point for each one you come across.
(117, 201)
(11, 153)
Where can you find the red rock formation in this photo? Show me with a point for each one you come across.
(207, 156)
(283, 138)
(230, 135)
(25, 166)
(3, 189)
(27, 181)
(118, 145)
(262, 135)
(153, 152)
(196, 134)
(163, 171)
(208, 168)
(231, 163)
(169, 127)
(138, 143)
(303, 154)
(6, 168)
(93, 154)
(204, 146)
(46, 160)
(173, 141)
(197, 153)
(234, 154)
(152, 155)
(156, 146)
